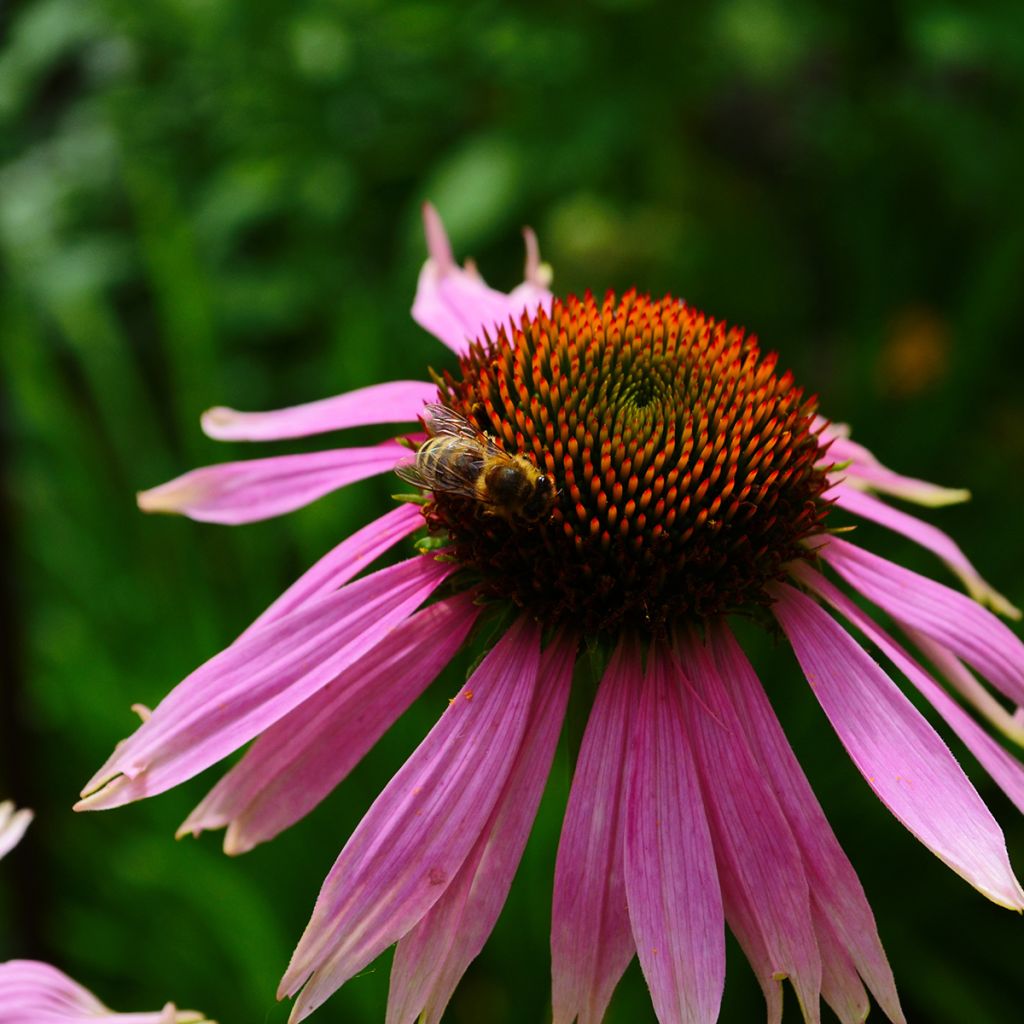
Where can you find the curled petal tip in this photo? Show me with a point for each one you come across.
(235, 842)
(98, 791)
(215, 420)
(142, 711)
(986, 595)
(942, 496)
(535, 272)
(438, 247)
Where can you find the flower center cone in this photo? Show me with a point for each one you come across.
(687, 470)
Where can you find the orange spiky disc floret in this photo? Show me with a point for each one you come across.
(686, 467)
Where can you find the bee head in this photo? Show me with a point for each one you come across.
(538, 505)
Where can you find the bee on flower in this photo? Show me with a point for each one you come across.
(664, 477)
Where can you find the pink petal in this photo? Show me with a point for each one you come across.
(397, 401)
(302, 757)
(1006, 770)
(837, 898)
(948, 617)
(841, 986)
(32, 992)
(591, 937)
(12, 826)
(927, 536)
(764, 888)
(897, 751)
(258, 680)
(865, 471)
(244, 492)
(533, 292)
(419, 831)
(672, 888)
(953, 670)
(344, 562)
(431, 959)
(455, 305)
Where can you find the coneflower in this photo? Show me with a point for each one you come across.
(33, 992)
(690, 482)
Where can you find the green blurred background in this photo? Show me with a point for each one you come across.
(216, 201)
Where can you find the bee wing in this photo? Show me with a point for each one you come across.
(451, 465)
(445, 422)
(408, 471)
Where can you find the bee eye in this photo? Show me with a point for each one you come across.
(544, 484)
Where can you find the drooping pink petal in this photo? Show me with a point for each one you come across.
(244, 492)
(12, 826)
(344, 562)
(1006, 770)
(941, 544)
(838, 902)
(591, 938)
(841, 985)
(454, 304)
(431, 959)
(33, 992)
(672, 886)
(955, 621)
(960, 677)
(258, 680)
(413, 840)
(397, 401)
(302, 757)
(860, 468)
(764, 887)
(899, 754)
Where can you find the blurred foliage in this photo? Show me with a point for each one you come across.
(213, 201)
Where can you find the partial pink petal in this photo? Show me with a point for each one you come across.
(841, 986)
(956, 673)
(591, 937)
(32, 992)
(344, 562)
(301, 758)
(533, 293)
(397, 401)
(945, 615)
(672, 888)
(941, 544)
(1006, 770)
(12, 826)
(431, 959)
(861, 469)
(837, 898)
(455, 305)
(897, 751)
(419, 831)
(764, 888)
(258, 680)
(244, 492)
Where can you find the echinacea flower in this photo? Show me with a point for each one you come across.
(33, 992)
(691, 481)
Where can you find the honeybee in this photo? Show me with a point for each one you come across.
(459, 459)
